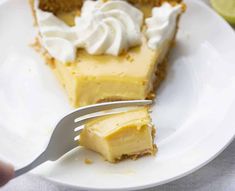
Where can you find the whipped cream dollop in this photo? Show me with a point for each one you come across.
(161, 25)
(103, 28)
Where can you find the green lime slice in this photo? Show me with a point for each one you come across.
(226, 8)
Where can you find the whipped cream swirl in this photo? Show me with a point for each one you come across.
(103, 28)
(161, 26)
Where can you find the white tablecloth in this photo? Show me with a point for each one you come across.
(218, 175)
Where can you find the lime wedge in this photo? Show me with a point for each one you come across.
(226, 8)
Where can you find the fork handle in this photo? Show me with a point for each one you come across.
(39, 160)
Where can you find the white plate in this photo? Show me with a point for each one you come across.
(194, 111)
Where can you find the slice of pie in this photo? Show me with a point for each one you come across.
(125, 135)
(107, 50)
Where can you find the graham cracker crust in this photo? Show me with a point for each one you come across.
(56, 6)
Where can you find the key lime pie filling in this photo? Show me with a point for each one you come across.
(106, 51)
(124, 135)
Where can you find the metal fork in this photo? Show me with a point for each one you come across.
(63, 137)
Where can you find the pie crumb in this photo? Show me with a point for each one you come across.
(88, 161)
